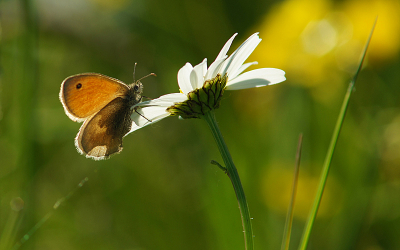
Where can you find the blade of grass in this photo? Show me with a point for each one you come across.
(289, 215)
(35, 228)
(13, 222)
(331, 149)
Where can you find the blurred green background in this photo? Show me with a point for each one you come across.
(162, 192)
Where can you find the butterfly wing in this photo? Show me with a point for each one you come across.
(101, 135)
(85, 94)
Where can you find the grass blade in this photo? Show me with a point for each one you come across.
(331, 149)
(289, 215)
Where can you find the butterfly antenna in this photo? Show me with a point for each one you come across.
(134, 72)
(151, 74)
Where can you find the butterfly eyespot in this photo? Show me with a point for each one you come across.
(79, 85)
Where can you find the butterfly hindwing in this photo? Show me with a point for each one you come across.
(101, 135)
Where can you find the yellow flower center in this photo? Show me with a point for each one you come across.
(201, 100)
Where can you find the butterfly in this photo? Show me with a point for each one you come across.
(104, 105)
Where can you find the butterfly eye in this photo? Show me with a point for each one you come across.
(136, 88)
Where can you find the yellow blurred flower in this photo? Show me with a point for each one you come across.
(385, 42)
(319, 42)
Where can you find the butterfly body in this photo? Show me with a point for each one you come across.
(104, 105)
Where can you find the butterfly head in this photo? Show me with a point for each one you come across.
(135, 92)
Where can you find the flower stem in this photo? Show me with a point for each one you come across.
(233, 175)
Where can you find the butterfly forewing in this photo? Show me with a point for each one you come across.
(79, 93)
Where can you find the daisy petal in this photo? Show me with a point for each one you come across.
(164, 100)
(257, 78)
(245, 66)
(241, 54)
(154, 110)
(173, 97)
(197, 74)
(184, 78)
(153, 114)
(224, 50)
(214, 68)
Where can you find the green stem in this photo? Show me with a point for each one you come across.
(233, 175)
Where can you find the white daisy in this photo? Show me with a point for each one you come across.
(201, 87)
